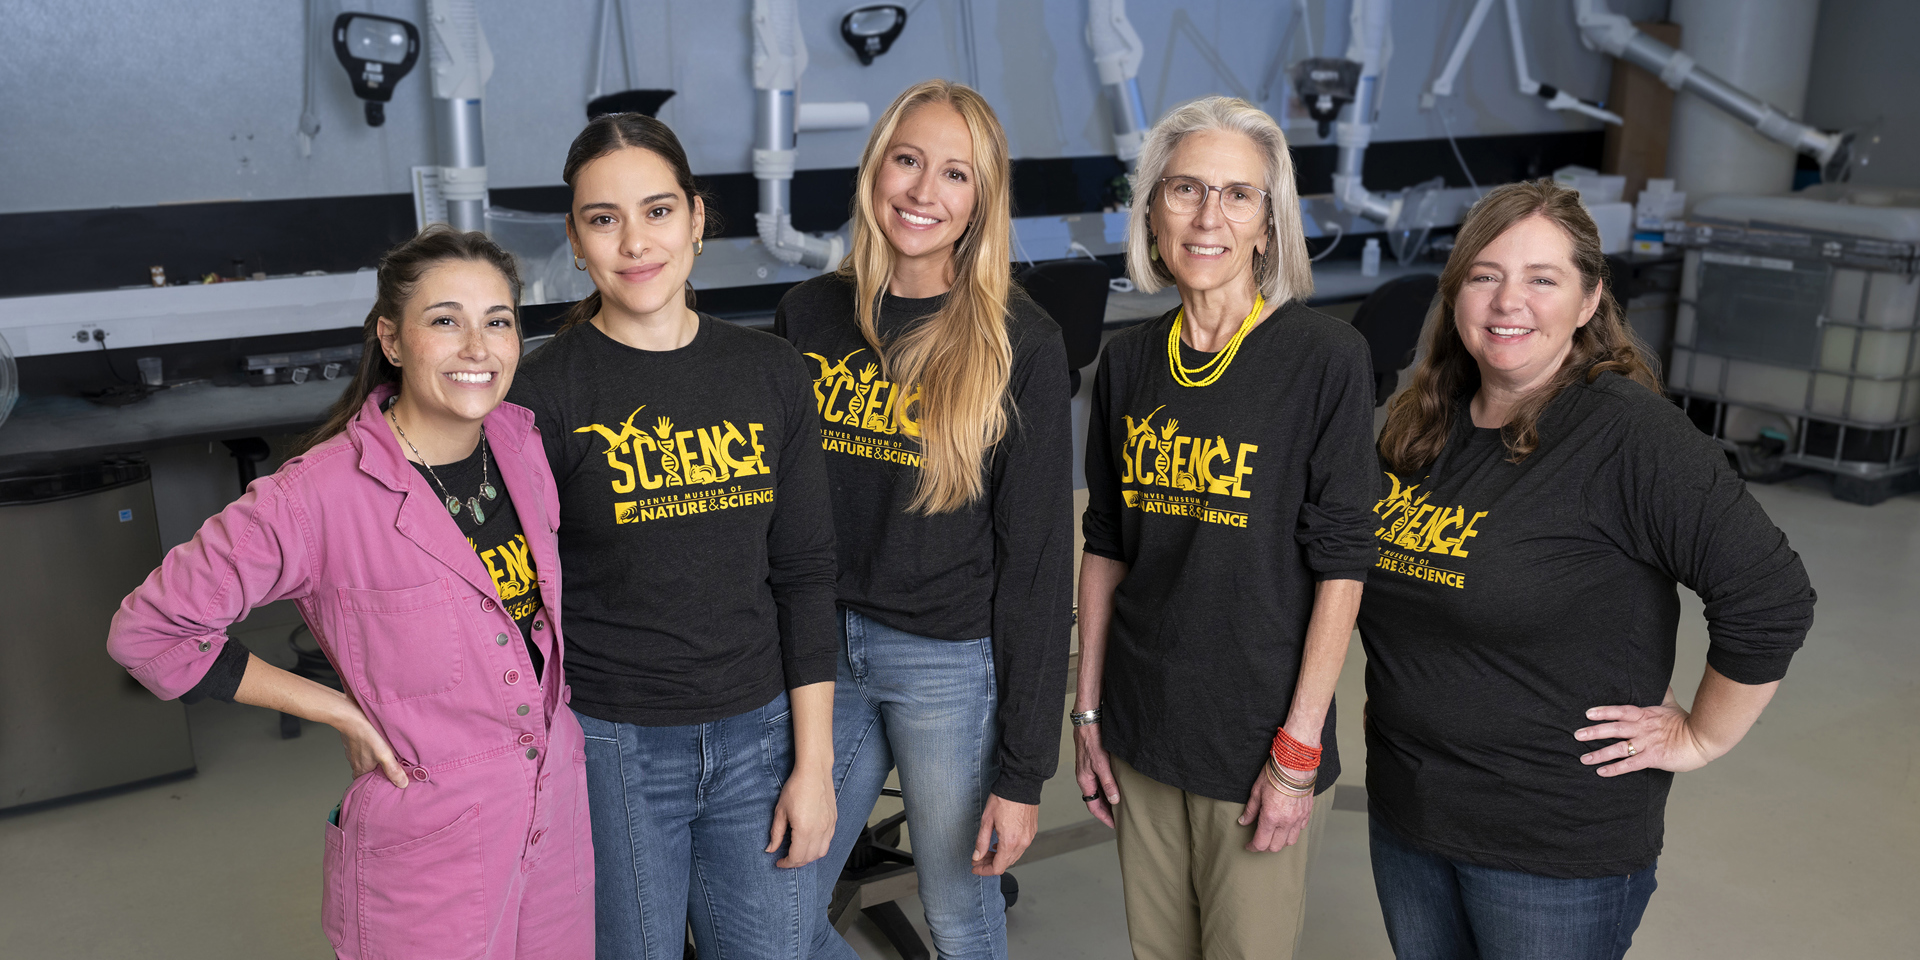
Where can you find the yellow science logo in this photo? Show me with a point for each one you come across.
(1190, 468)
(864, 400)
(663, 457)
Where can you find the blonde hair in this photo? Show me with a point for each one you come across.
(1420, 419)
(961, 358)
(1284, 273)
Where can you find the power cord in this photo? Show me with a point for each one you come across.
(1455, 144)
(1339, 234)
(100, 337)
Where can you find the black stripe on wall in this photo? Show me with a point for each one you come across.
(70, 250)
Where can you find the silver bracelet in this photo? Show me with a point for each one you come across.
(1087, 718)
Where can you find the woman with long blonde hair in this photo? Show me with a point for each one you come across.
(943, 392)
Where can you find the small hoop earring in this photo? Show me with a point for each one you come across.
(699, 246)
(579, 263)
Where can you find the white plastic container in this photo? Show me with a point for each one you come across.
(1804, 331)
(1615, 222)
(1370, 258)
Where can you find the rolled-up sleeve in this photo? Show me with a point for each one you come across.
(1335, 529)
(1100, 524)
(172, 630)
(1676, 505)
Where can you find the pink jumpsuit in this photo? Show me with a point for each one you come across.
(487, 853)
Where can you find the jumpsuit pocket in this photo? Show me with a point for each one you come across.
(425, 899)
(582, 833)
(408, 640)
(336, 879)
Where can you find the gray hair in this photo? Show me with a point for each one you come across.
(1285, 273)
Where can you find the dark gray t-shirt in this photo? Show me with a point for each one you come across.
(1511, 598)
(999, 567)
(1228, 503)
(696, 540)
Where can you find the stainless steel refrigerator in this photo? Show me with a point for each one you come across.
(74, 541)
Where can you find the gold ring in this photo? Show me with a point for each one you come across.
(1631, 749)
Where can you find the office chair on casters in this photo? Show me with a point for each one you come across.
(1391, 319)
(878, 862)
(1074, 294)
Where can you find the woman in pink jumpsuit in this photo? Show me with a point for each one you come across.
(465, 832)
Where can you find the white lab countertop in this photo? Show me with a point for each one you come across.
(66, 425)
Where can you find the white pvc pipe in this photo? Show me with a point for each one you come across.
(461, 62)
(1761, 47)
(1117, 52)
(779, 58)
(1371, 23)
(850, 115)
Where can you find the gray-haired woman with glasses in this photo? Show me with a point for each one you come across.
(1231, 480)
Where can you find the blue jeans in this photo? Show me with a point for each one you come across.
(681, 817)
(929, 707)
(1442, 909)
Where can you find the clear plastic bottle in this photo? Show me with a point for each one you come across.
(1370, 258)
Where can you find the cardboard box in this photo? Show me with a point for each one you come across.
(1638, 148)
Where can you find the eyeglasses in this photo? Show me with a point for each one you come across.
(1185, 195)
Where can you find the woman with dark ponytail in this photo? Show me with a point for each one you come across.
(415, 531)
(697, 532)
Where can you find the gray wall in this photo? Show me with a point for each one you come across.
(1864, 69)
(114, 102)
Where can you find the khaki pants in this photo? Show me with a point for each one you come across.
(1192, 889)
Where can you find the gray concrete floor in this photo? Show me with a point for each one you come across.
(1805, 841)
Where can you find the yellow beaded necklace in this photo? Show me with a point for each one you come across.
(1184, 376)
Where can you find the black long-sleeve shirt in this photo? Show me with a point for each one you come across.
(1228, 503)
(696, 537)
(1511, 598)
(1001, 566)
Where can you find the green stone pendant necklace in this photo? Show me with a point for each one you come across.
(453, 503)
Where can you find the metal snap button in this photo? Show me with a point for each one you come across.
(206, 645)
(500, 639)
(532, 752)
(521, 710)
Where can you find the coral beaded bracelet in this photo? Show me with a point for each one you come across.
(1292, 754)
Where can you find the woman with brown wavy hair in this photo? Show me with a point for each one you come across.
(944, 395)
(1543, 501)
